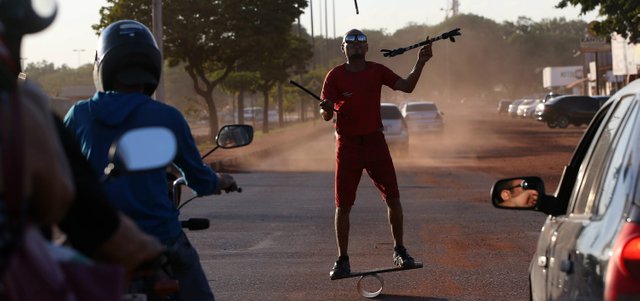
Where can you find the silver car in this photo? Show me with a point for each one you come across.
(395, 128)
(422, 116)
(589, 245)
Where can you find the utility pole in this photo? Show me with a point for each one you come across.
(455, 6)
(158, 34)
(78, 51)
(326, 32)
(334, 19)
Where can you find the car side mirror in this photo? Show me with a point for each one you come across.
(517, 193)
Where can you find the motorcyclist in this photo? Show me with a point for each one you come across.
(31, 156)
(53, 162)
(127, 69)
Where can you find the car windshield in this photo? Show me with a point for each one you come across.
(421, 107)
(390, 112)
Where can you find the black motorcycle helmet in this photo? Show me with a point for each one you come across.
(127, 52)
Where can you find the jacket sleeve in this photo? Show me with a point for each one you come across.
(199, 177)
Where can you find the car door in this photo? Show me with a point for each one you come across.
(539, 267)
(579, 242)
(540, 262)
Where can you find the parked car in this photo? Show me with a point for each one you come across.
(395, 127)
(568, 109)
(589, 245)
(525, 107)
(422, 116)
(513, 107)
(531, 109)
(255, 115)
(503, 106)
(549, 96)
(540, 106)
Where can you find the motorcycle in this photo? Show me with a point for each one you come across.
(153, 148)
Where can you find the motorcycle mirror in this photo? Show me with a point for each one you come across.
(142, 149)
(234, 135)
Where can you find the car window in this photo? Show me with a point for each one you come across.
(614, 171)
(592, 168)
(390, 112)
(421, 107)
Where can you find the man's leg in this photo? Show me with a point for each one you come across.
(348, 172)
(342, 229)
(186, 268)
(341, 267)
(400, 255)
(394, 211)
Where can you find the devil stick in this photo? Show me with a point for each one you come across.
(356, 2)
(447, 35)
(309, 92)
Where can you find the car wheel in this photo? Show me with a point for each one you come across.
(552, 124)
(563, 121)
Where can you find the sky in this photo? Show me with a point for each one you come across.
(71, 41)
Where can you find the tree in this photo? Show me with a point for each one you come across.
(53, 79)
(283, 55)
(278, 50)
(621, 16)
(239, 82)
(208, 37)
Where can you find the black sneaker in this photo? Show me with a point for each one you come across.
(401, 258)
(341, 268)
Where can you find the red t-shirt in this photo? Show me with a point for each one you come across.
(357, 96)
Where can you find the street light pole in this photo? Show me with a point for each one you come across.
(79, 51)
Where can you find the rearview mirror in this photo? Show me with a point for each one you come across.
(517, 193)
(234, 135)
(142, 149)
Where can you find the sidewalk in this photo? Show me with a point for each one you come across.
(265, 144)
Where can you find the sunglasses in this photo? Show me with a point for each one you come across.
(522, 184)
(350, 38)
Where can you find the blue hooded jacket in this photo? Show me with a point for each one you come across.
(101, 120)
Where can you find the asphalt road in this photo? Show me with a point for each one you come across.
(275, 240)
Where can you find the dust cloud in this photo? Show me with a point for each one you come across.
(468, 132)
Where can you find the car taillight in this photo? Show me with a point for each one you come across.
(631, 258)
(623, 274)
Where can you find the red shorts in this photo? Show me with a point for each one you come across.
(371, 153)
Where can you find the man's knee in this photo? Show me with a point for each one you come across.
(344, 210)
(393, 202)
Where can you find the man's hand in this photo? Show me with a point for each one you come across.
(327, 109)
(527, 199)
(226, 183)
(425, 54)
(327, 105)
